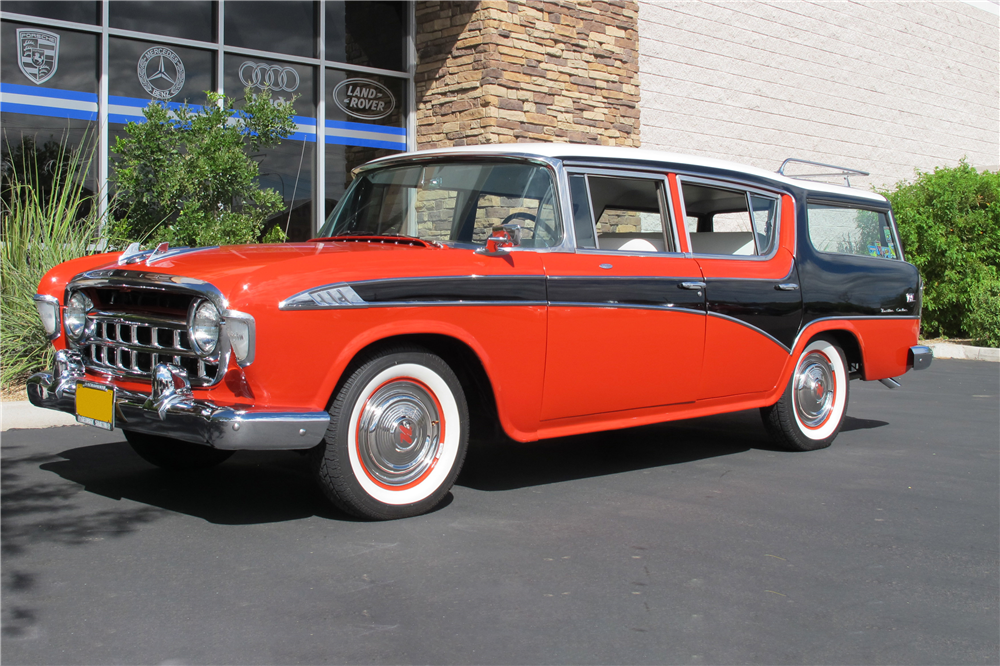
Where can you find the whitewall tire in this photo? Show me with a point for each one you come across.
(399, 430)
(811, 411)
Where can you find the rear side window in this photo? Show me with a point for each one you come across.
(733, 221)
(845, 230)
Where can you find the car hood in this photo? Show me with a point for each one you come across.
(255, 275)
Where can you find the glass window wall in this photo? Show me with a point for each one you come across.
(169, 51)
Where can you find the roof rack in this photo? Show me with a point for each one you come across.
(838, 172)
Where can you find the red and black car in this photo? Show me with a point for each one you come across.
(545, 290)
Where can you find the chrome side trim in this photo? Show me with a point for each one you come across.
(753, 328)
(668, 307)
(336, 295)
(170, 411)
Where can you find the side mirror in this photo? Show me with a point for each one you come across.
(503, 236)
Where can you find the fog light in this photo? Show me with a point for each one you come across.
(240, 329)
(48, 311)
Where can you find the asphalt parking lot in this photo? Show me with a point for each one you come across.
(691, 542)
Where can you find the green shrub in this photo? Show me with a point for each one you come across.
(949, 223)
(48, 217)
(186, 177)
(983, 320)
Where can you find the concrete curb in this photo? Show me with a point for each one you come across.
(22, 414)
(967, 352)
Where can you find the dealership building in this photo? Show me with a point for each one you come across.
(884, 87)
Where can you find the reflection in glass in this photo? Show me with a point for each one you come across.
(288, 167)
(78, 12)
(281, 27)
(35, 148)
(192, 19)
(366, 33)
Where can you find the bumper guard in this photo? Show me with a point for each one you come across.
(170, 410)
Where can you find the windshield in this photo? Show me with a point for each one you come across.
(457, 202)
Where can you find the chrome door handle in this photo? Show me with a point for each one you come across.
(692, 285)
(787, 286)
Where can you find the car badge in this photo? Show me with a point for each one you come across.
(269, 77)
(161, 72)
(38, 54)
(364, 98)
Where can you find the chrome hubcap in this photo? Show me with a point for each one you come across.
(399, 433)
(814, 390)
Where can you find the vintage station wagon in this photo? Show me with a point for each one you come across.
(535, 290)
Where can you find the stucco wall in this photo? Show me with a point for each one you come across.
(885, 87)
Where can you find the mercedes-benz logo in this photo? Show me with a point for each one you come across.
(269, 77)
(161, 72)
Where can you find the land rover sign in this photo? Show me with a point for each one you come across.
(363, 98)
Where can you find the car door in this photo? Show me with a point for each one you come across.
(626, 317)
(742, 238)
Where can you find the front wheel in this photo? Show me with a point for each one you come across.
(174, 454)
(811, 410)
(399, 431)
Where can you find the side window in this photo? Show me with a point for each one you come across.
(625, 214)
(851, 231)
(729, 221)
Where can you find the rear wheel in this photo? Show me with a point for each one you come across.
(399, 431)
(174, 454)
(811, 410)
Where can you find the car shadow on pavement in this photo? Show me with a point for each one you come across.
(252, 487)
(509, 465)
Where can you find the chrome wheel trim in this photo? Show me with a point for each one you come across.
(398, 433)
(449, 437)
(815, 390)
(818, 416)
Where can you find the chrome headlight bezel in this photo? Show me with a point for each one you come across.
(204, 327)
(75, 315)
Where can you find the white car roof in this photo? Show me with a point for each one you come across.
(584, 151)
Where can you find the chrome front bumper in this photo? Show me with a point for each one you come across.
(170, 410)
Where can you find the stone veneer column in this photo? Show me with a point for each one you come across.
(502, 72)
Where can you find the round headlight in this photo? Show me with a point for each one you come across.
(75, 317)
(204, 328)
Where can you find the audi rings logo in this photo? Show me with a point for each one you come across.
(269, 77)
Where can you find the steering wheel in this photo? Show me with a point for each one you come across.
(520, 215)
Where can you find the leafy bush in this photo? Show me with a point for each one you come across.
(949, 223)
(48, 217)
(185, 176)
(983, 320)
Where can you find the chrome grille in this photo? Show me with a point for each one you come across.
(132, 345)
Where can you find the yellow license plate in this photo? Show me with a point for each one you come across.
(95, 405)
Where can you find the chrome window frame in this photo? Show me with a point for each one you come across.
(636, 173)
(855, 205)
(560, 185)
(740, 186)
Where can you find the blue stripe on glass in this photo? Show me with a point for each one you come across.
(365, 143)
(52, 112)
(57, 93)
(362, 127)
